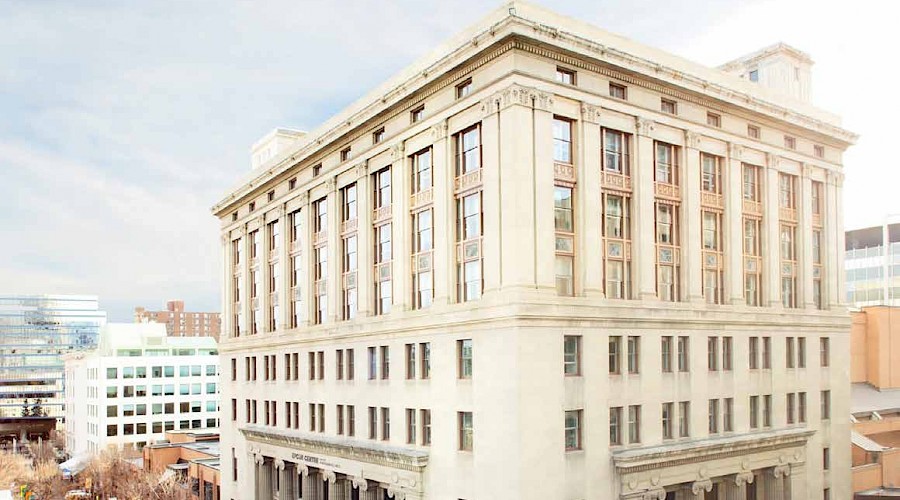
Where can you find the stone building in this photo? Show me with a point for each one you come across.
(544, 262)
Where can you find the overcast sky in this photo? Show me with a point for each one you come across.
(121, 123)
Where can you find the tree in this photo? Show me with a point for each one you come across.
(26, 410)
(37, 410)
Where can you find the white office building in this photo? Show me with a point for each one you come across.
(138, 384)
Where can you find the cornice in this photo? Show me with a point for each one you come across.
(695, 452)
(397, 458)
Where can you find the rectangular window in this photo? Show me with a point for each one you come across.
(667, 106)
(615, 354)
(767, 353)
(789, 351)
(573, 430)
(572, 355)
(385, 362)
(351, 420)
(378, 136)
(668, 410)
(801, 407)
(826, 405)
(317, 169)
(790, 407)
(727, 353)
(372, 363)
(422, 272)
(790, 142)
(350, 364)
(464, 88)
(767, 410)
(824, 352)
(385, 424)
(562, 140)
(566, 76)
(826, 458)
(417, 114)
(565, 241)
(801, 352)
(666, 351)
(339, 363)
(712, 351)
(425, 360)
(754, 412)
(714, 120)
(728, 415)
(464, 358)
(634, 354)
(410, 426)
(469, 232)
(753, 131)
(425, 417)
(618, 91)
(615, 152)
(666, 171)
(345, 153)
(373, 422)
(615, 426)
(410, 361)
(819, 151)
(713, 416)
(683, 354)
(634, 424)
(684, 419)
(466, 431)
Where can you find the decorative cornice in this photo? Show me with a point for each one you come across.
(398, 458)
(590, 113)
(638, 460)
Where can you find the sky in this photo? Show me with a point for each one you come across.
(122, 123)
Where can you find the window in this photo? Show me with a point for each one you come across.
(728, 415)
(373, 422)
(615, 152)
(566, 76)
(727, 353)
(801, 407)
(378, 136)
(565, 242)
(684, 419)
(385, 424)
(754, 412)
(713, 120)
(634, 354)
(422, 274)
(562, 140)
(464, 356)
(767, 410)
(425, 360)
(417, 114)
(410, 426)
(683, 354)
(372, 363)
(789, 352)
(572, 355)
(464, 88)
(615, 426)
(385, 362)
(790, 142)
(712, 351)
(317, 169)
(351, 420)
(826, 458)
(666, 170)
(819, 151)
(634, 424)
(767, 353)
(618, 91)
(826, 405)
(667, 106)
(754, 75)
(350, 363)
(466, 433)
(410, 361)
(573, 430)
(271, 195)
(345, 154)
(425, 417)
(666, 354)
(292, 183)
(710, 173)
(469, 274)
(111, 373)
(251, 206)
(753, 131)
(615, 354)
(666, 238)
(801, 352)
(713, 416)
(790, 407)
(667, 414)
(824, 352)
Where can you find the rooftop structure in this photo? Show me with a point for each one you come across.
(542, 247)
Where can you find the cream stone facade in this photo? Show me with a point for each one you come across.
(544, 262)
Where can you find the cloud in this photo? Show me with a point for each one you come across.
(124, 121)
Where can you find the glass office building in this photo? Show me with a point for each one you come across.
(872, 266)
(35, 331)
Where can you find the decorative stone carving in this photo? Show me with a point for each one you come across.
(360, 483)
(806, 169)
(644, 126)
(303, 470)
(490, 105)
(543, 101)
(781, 471)
(772, 160)
(700, 486)
(361, 170)
(742, 478)
(328, 476)
(654, 494)
(516, 94)
(330, 184)
(304, 198)
(590, 113)
(279, 464)
(397, 151)
(735, 151)
(439, 130)
(395, 492)
(692, 139)
(258, 458)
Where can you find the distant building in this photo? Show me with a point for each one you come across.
(191, 455)
(779, 67)
(180, 323)
(35, 331)
(875, 405)
(872, 265)
(137, 385)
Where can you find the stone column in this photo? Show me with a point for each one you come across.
(772, 239)
(492, 261)
(444, 217)
(797, 484)
(333, 280)
(734, 226)
(774, 485)
(700, 487)
(244, 320)
(736, 486)
(312, 487)
(284, 264)
(264, 486)
(288, 482)
(691, 255)
(401, 279)
(588, 257)
(305, 279)
(837, 270)
(804, 237)
(643, 253)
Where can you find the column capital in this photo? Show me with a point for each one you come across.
(362, 169)
(225, 237)
(304, 198)
(644, 126)
(701, 485)
(773, 160)
(303, 469)
(590, 113)
(330, 185)
(735, 150)
(743, 478)
(359, 482)
(258, 458)
(781, 471)
(439, 130)
(279, 464)
(692, 139)
(328, 476)
(805, 170)
(396, 492)
(397, 150)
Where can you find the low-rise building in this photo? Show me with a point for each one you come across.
(193, 456)
(180, 323)
(139, 384)
(875, 406)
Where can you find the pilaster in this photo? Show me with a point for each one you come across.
(305, 278)
(444, 231)
(364, 257)
(838, 267)
(588, 213)
(690, 244)
(333, 280)
(804, 234)
(491, 203)
(833, 251)
(772, 260)
(734, 226)
(644, 248)
(401, 232)
(284, 264)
